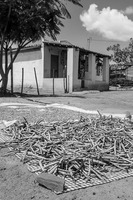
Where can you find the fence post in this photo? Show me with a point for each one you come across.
(64, 81)
(66, 78)
(36, 81)
(53, 83)
(68, 84)
(22, 80)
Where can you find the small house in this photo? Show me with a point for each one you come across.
(62, 66)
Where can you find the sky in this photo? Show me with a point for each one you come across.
(99, 24)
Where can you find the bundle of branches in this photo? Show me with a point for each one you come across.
(81, 149)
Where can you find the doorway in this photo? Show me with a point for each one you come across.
(54, 66)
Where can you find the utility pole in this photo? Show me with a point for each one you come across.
(89, 43)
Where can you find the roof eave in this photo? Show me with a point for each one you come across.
(73, 46)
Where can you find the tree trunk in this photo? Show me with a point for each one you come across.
(6, 60)
(4, 75)
(1, 65)
(4, 83)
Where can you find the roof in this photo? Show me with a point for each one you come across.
(64, 44)
(28, 48)
(67, 44)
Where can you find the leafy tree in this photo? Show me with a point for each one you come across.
(25, 21)
(122, 56)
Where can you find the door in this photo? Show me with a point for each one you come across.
(54, 66)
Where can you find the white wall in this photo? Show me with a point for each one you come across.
(28, 60)
(58, 85)
(99, 78)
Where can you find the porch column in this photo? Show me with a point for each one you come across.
(70, 64)
(92, 67)
(106, 69)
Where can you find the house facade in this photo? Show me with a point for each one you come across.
(61, 66)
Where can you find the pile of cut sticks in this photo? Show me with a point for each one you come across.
(80, 149)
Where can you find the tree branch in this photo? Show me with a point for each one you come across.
(13, 59)
(23, 45)
(8, 16)
(17, 52)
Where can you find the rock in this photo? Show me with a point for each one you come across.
(51, 182)
(128, 115)
(2, 125)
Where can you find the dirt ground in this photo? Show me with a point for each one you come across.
(16, 182)
(106, 102)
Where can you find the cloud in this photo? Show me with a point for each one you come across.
(128, 11)
(110, 23)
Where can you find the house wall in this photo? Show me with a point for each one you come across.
(99, 78)
(59, 85)
(27, 59)
(98, 85)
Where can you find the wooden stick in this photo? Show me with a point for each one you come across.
(22, 80)
(66, 90)
(11, 72)
(53, 83)
(64, 81)
(68, 83)
(36, 81)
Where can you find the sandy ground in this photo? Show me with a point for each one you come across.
(16, 182)
(106, 102)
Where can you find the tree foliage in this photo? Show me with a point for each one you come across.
(122, 56)
(25, 21)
